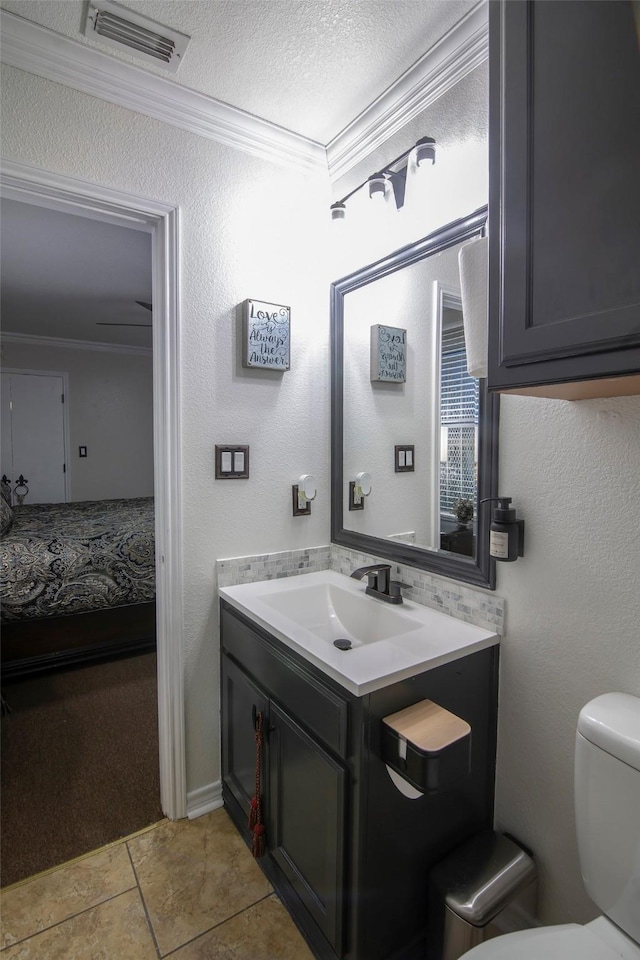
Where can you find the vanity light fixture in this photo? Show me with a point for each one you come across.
(377, 185)
(425, 150)
(392, 177)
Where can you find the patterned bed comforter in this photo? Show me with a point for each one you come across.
(65, 558)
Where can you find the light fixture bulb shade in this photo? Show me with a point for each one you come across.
(425, 150)
(377, 185)
(338, 211)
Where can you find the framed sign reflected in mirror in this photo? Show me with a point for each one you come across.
(431, 515)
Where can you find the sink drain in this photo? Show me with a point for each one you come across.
(342, 644)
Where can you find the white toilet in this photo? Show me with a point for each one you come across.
(607, 804)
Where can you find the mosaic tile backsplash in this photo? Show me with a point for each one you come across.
(480, 607)
(272, 566)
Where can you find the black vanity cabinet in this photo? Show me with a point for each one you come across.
(564, 198)
(306, 820)
(348, 854)
(303, 774)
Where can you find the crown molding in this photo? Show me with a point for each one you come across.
(459, 52)
(33, 340)
(36, 49)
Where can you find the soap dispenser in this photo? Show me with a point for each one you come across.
(506, 532)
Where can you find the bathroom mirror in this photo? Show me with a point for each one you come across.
(406, 413)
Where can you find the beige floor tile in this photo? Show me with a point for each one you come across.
(194, 874)
(262, 932)
(115, 930)
(44, 901)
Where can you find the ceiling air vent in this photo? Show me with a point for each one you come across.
(119, 27)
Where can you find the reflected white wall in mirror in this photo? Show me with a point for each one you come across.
(377, 416)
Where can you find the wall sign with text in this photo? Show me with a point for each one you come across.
(388, 354)
(266, 335)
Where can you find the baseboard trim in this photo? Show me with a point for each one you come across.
(204, 799)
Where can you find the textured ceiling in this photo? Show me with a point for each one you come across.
(310, 66)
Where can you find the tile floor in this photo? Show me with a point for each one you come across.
(189, 890)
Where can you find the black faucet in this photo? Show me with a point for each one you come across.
(379, 582)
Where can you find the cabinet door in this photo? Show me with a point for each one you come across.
(241, 699)
(564, 297)
(306, 821)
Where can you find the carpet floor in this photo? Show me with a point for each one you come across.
(79, 763)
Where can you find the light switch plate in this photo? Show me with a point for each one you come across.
(404, 455)
(232, 462)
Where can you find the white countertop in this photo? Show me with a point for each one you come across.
(309, 611)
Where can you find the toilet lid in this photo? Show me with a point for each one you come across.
(569, 941)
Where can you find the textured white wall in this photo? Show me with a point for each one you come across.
(249, 229)
(110, 412)
(573, 610)
(379, 415)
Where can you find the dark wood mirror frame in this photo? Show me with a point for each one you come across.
(478, 570)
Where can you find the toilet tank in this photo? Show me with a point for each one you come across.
(607, 803)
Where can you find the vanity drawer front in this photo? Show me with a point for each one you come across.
(323, 712)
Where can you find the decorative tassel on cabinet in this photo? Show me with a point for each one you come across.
(255, 811)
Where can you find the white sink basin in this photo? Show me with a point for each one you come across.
(387, 642)
(333, 613)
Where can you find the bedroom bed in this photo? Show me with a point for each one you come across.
(77, 582)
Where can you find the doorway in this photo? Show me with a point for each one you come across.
(31, 185)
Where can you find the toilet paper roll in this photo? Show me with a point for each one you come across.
(473, 261)
(403, 785)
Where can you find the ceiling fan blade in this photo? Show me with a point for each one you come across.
(147, 306)
(102, 323)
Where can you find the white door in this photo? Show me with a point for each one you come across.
(6, 458)
(33, 418)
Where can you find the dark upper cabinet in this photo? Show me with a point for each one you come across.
(564, 200)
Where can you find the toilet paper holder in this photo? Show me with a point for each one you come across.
(427, 745)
